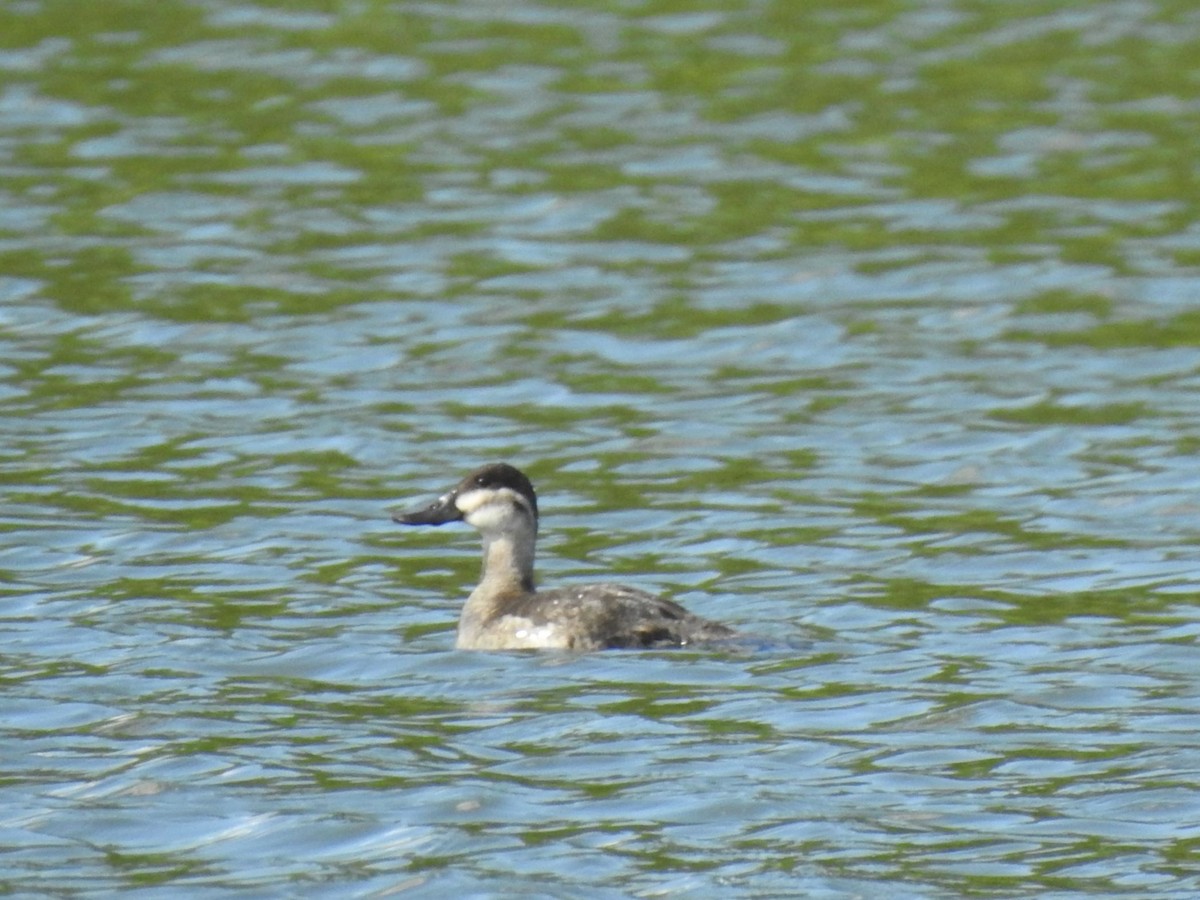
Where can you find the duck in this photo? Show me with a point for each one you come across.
(506, 611)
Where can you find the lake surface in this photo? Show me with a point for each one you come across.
(870, 329)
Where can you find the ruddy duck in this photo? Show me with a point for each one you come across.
(506, 612)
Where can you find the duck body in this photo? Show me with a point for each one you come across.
(590, 617)
(507, 612)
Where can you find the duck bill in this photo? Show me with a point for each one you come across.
(439, 512)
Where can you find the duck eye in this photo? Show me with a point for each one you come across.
(480, 480)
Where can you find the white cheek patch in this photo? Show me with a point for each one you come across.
(470, 501)
(490, 517)
(491, 508)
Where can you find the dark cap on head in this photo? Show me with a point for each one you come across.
(500, 475)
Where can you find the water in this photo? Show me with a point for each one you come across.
(870, 330)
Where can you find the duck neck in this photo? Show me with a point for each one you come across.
(507, 564)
